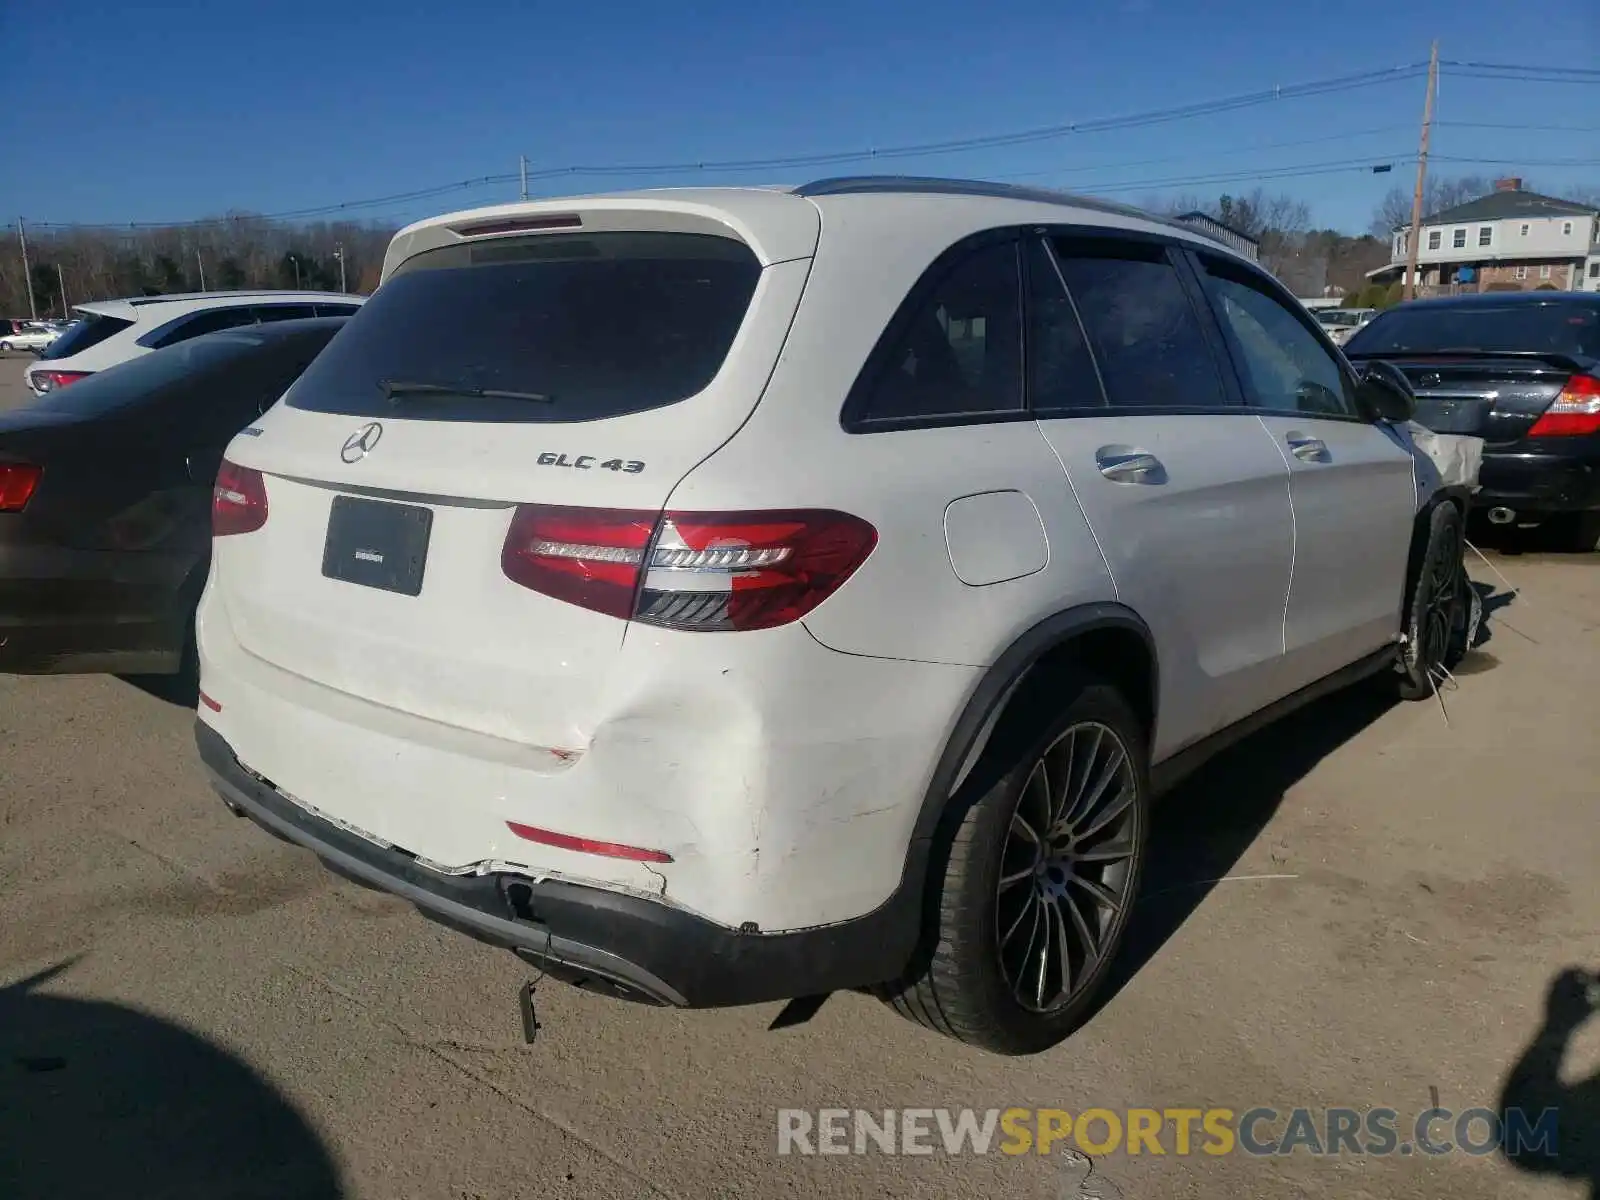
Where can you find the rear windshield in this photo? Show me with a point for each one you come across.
(142, 378)
(90, 330)
(1557, 328)
(575, 326)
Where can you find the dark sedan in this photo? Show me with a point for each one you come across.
(1522, 371)
(105, 498)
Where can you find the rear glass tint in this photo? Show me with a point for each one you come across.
(144, 378)
(587, 325)
(1556, 328)
(91, 330)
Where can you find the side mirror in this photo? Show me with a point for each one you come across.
(1384, 393)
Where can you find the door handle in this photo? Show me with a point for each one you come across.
(1307, 449)
(1123, 465)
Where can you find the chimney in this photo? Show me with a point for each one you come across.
(1512, 183)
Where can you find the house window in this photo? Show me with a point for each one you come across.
(1485, 234)
(1433, 239)
(1524, 230)
(1594, 270)
(1519, 273)
(1566, 229)
(1544, 271)
(1458, 239)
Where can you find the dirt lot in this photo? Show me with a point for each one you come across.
(1363, 906)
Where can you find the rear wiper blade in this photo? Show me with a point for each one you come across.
(394, 389)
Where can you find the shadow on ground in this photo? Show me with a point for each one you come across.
(1534, 1084)
(1203, 827)
(98, 1100)
(182, 690)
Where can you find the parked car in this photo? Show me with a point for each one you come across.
(34, 335)
(1341, 323)
(728, 595)
(1522, 371)
(112, 331)
(105, 498)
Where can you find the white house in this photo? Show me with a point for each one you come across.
(1505, 241)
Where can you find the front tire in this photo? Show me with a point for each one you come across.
(1436, 609)
(1034, 898)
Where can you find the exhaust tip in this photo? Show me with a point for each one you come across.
(1502, 516)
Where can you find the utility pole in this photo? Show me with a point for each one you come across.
(200, 262)
(523, 159)
(27, 274)
(61, 285)
(1410, 289)
(338, 252)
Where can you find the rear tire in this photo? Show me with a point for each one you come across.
(1028, 909)
(1577, 532)
(1437, 607)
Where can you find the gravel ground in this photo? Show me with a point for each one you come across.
(1362, 906)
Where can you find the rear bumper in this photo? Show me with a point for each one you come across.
(83, 610)
(1541, 481)
(622, 945)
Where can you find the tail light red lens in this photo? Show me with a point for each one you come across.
(238, 501)
(585, 556)
(49, 381)
(691, 571)
(1576, 411)
(17, 484)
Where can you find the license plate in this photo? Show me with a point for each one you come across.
(376, 544)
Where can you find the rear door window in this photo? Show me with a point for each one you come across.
(1061, 373)
(956, 353)
(212, 320)
(563, 327)
(284, 312)
(1145, 333)
(90, 330)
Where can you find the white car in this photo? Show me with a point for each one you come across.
(30, 336)
(729, 595)
(1341, 323)
(108, 332)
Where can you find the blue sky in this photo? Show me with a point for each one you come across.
(163, 111)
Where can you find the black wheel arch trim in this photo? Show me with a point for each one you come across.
(999, 682)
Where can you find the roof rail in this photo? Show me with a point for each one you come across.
(846, 185)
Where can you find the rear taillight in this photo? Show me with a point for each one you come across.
(17, 482)
(689, 571)
(49, 381)
(1574, 412)
(238, 501)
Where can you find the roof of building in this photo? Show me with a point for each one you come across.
(1499, 206)
(1207, 220)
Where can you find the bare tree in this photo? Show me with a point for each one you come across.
(1440, 193)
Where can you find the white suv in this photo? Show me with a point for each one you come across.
(108, 332)
(719, 596)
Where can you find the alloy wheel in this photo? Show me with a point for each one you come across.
(1066, 866)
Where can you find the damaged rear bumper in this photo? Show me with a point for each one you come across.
(622, 945)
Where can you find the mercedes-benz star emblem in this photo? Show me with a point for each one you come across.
(360, 443)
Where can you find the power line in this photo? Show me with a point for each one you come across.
(1216, 152)
(1319, 87)
(1517, 127)
(1362, 165)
